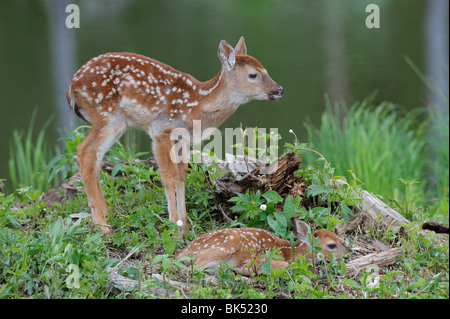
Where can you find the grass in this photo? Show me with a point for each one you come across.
(388, 150)
(28, 157)
(437, 136)
(438, 141)
(377, 143)
(46, 254)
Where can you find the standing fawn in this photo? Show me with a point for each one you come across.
(242, 246)
(115, 91)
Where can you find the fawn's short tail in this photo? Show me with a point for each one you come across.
(73, 104)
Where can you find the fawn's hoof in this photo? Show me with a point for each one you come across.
(106, 230)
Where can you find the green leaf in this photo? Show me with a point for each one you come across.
(234, 199)
(116, 169)
(281, 219)
(272, 253)
(272, 196)
(265, 267)
(166, 264)
(168, 242)
(314, 190)
(273, 224)
(408, 182)
(345, 211)
(279, 225)
(352, 199)
(157, 259)
(351, 283)
(179, 264)
(291, 208)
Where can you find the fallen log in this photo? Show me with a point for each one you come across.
(243, 176)
(377, 211)
(365, 245)
(438, 228)
(126, 283)
(384, 258)
(246, 174)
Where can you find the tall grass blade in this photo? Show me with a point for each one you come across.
(378, 144)
(28, 158)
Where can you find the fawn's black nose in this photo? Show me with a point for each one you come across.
(280, 90)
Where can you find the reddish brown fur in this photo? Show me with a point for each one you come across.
(242, 60)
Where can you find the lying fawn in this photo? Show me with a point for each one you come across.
(115, 91)
(241, 246)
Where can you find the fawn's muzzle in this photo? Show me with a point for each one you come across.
(276, 94)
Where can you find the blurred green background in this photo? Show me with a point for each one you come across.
(310, 47)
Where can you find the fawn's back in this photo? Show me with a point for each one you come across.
(136, 84)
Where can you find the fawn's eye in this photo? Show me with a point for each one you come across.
(252, 75)
(332, 246)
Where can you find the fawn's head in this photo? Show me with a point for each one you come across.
(328, 241)
(246, 76)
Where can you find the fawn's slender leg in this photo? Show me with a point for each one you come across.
(278, 263)
(210, 258)
(168, 169)
(180, 189)
(90, 154)
(274, 263)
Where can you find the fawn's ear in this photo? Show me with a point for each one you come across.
(301, 230)
(226, 55)
(240, 48)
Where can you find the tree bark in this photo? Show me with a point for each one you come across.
(380, 259)
(376, 210)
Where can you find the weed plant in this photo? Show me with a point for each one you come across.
(396, 156)
(377, 143)
(28, 157)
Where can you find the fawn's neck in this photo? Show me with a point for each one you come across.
(286, 249)
(218, 101)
